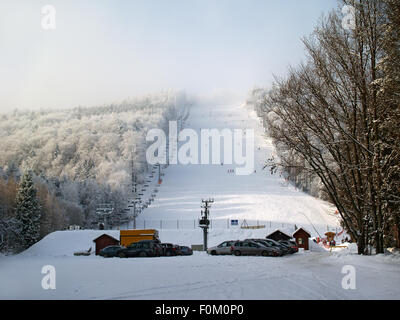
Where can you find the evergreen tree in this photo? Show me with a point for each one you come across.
(28, 211)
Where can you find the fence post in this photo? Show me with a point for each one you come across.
(177, 224)
(161, 224)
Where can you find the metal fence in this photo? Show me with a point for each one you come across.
(179, 224)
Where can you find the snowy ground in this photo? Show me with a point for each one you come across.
(306, 275)
(315, 274)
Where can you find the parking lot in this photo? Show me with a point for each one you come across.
(305, 275)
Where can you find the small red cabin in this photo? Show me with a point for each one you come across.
(104, 241)
(301, 236)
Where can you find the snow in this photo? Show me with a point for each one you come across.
(305, 275)
(314, 274)
(259, 196)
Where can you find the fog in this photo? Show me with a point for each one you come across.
(106, 51)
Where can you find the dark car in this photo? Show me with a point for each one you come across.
(284, 248)
(253, 248)
(185, 251)
(144, 248)
(110, 251)
(280, 251)
(169, 249)
(291, 244)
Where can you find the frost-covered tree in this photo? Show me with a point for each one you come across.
(28, 211)
(81, 157)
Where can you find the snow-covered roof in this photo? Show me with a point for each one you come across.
(278, 230)
(301, 228)
(105, 234)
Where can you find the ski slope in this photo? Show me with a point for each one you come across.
(259, 197)
(314, 274)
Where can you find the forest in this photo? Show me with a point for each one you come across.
(72, 160)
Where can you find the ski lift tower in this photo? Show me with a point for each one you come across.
(104, 212)
(136, 199)
(204, 221)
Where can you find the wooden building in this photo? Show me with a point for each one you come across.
(302, 238)
(330, 236)
(278, 235)
(103, 241)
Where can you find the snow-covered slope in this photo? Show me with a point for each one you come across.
(314, 274)
(259, 196)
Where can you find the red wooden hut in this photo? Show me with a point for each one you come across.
(302, 236)
(103, 241)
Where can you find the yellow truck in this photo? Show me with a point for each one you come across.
(126, 237)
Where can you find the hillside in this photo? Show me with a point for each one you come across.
(257, 198)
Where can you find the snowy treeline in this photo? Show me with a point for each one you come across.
(287, 161)
(80, 157)
(336, 117)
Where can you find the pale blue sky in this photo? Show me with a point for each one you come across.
(108, 50)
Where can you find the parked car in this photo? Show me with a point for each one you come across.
(279, 251)
(221, 249)
(144, 248)
(110, 251)
(284, 248)
(169, 249)
(240, 248)
(291, 244)
(185, 251)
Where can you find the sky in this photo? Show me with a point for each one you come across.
(104, 51)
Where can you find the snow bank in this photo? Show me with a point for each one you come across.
(316, 247)
(65, 243)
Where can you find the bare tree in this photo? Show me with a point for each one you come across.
(328, 112)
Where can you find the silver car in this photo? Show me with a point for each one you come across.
(221, 249)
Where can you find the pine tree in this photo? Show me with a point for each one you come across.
(28, 211)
